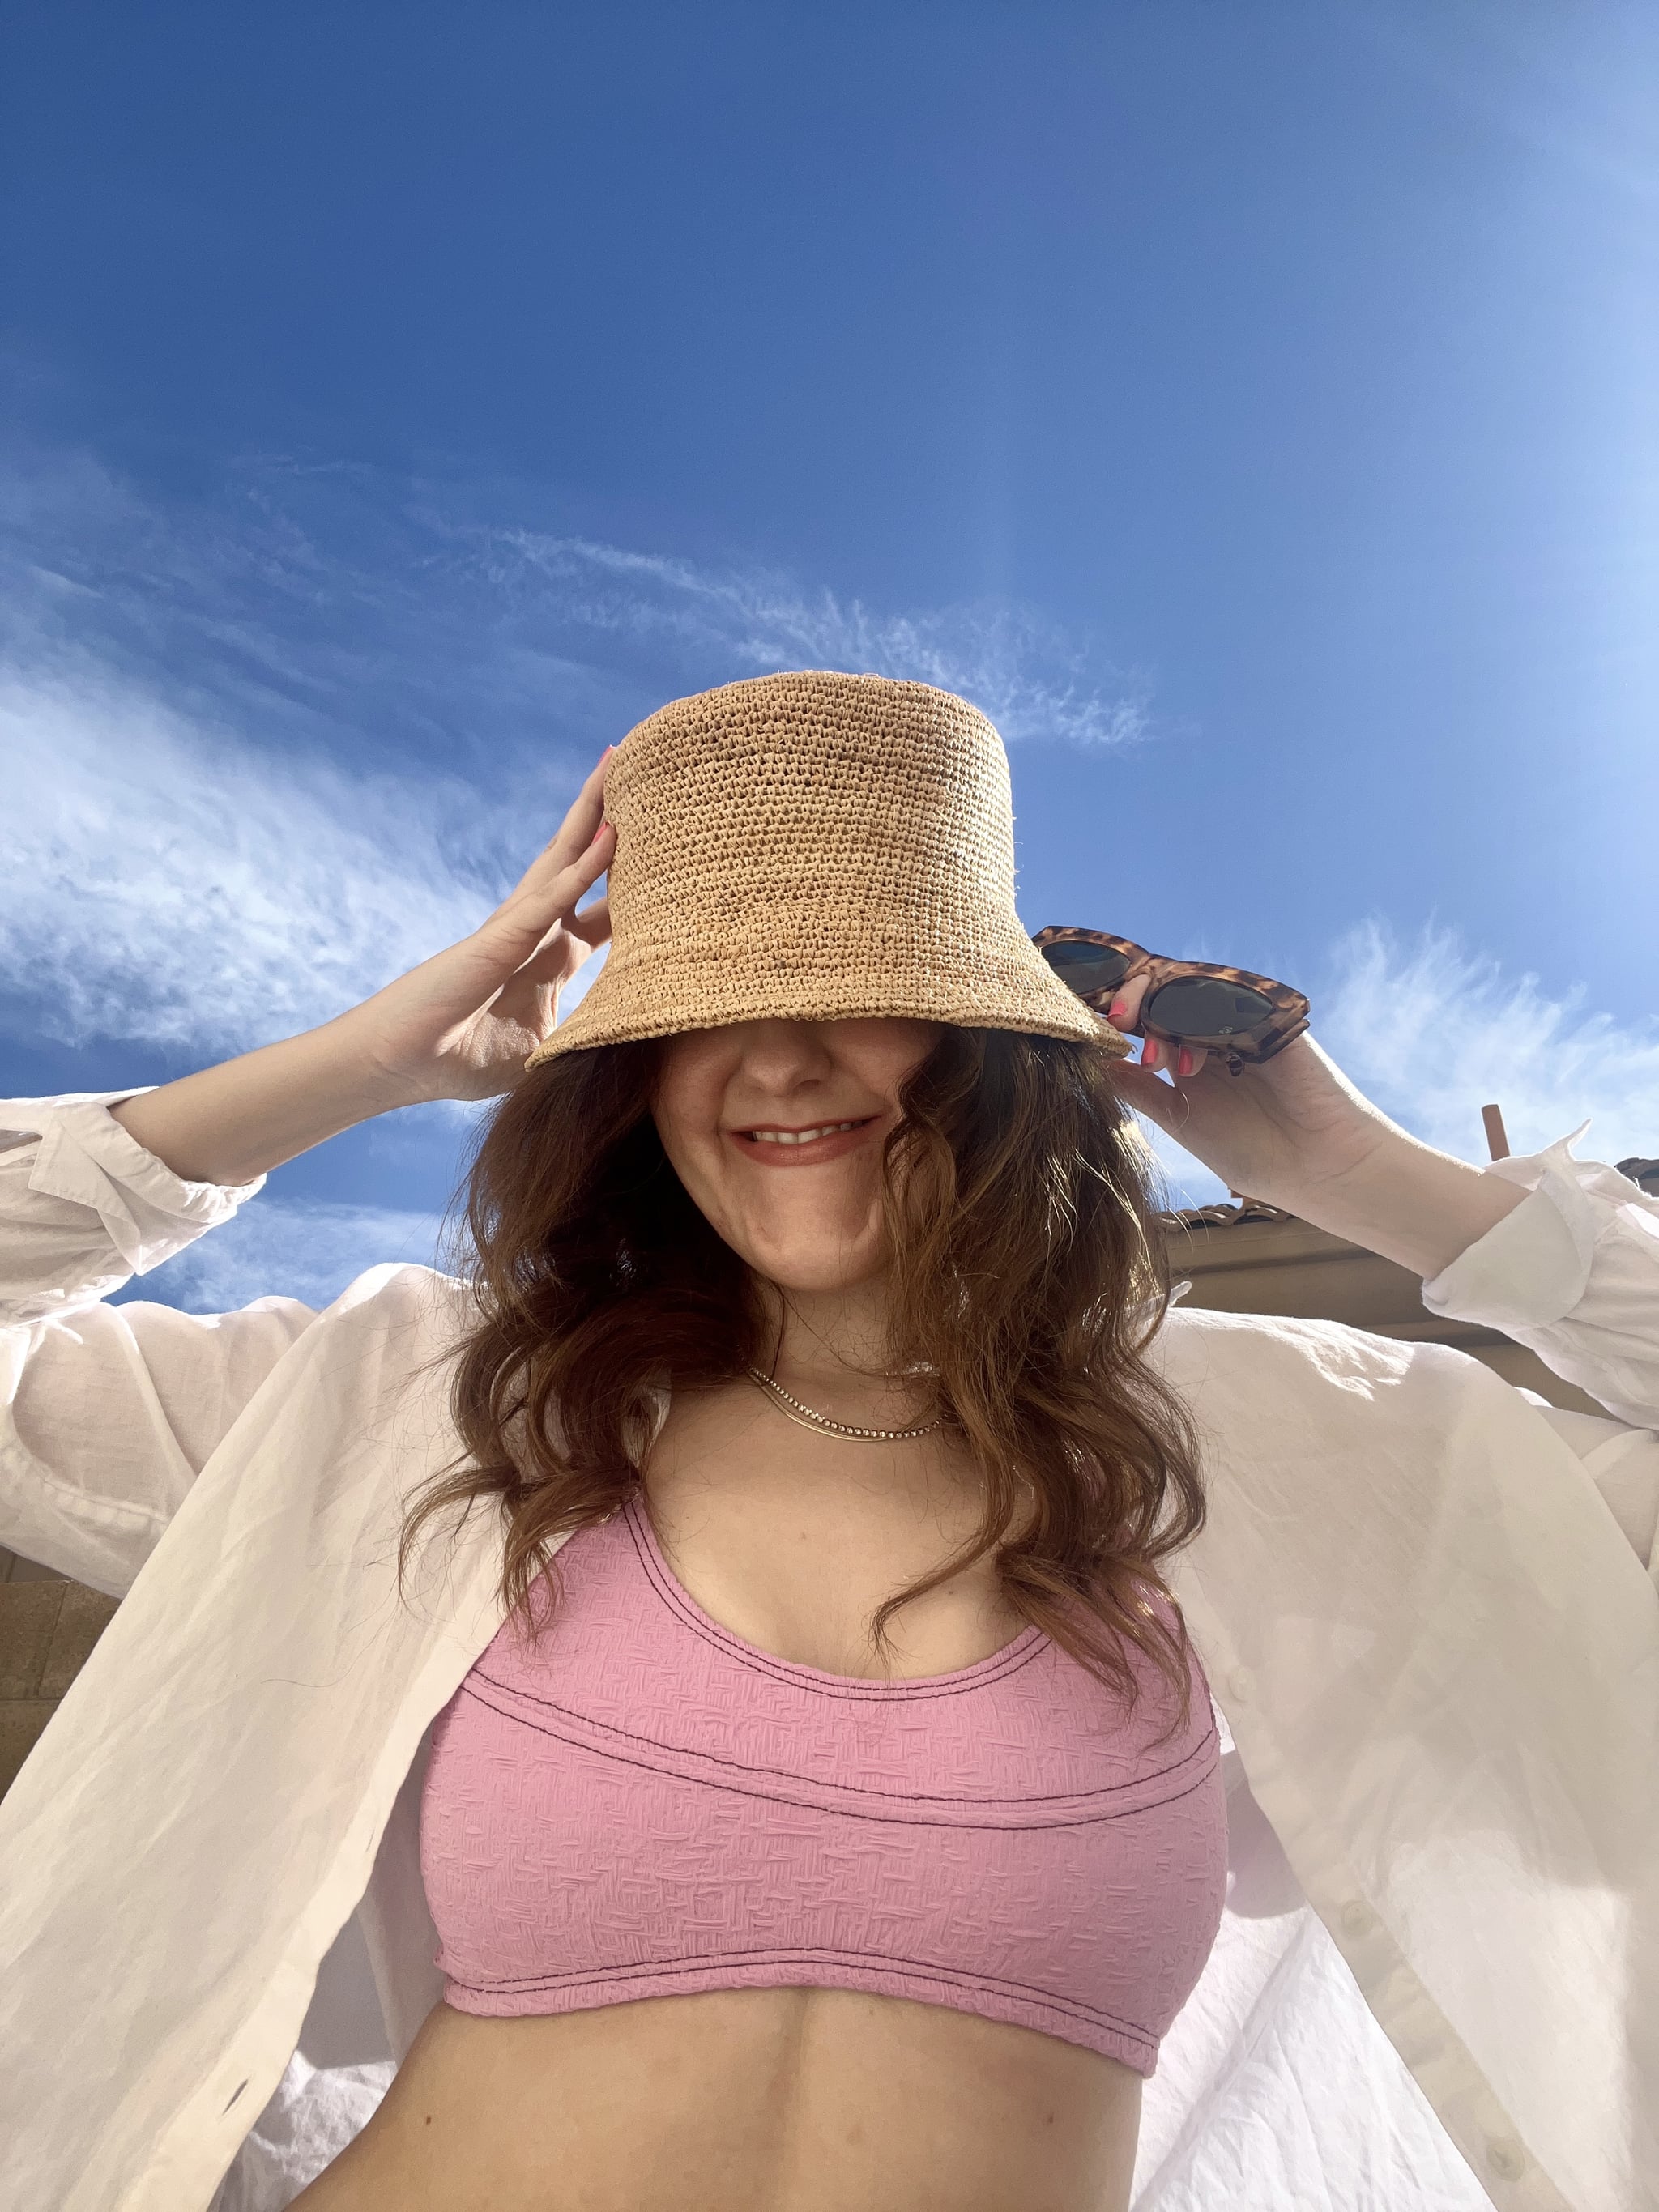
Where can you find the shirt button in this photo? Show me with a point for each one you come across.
(1506, 2158)
(1241, 1682)
(1358, 1919)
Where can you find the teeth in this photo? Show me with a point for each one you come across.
(799, 1136)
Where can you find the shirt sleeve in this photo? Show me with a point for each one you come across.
(1573, 1274)
(108, 1413)
(84, 1208)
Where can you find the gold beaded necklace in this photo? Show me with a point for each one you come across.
(805, 1418)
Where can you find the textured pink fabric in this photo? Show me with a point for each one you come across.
(651, 1806)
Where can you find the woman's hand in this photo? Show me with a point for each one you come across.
(1276, 1131)
(462, 1024)
(1295, 1133)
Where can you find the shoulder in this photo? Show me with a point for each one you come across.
(1191, 1331)
(372, 1373)
(397, 1311)
(400, 1289)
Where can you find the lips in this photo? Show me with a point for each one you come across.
(814, 1141)
(799, 1136)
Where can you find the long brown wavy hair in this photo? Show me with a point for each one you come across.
(1027, 1278)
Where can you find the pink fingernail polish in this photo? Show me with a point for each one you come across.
(1117, 1010)
(1184, 1065)
(1149, 1053)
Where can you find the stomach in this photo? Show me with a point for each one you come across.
(742, 2100)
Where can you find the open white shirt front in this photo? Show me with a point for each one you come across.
(1426, 1602)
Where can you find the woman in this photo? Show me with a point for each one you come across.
(839, 1820)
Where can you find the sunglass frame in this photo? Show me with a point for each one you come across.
(1288, 1020)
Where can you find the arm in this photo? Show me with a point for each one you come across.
(107, 1414)
(461, 1025)
(1572, 1272)
(1560, 1255)
(1295, 1133)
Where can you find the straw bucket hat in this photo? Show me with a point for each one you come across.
(816, 847)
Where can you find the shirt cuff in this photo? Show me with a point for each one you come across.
(87, 1158)
(1531, 1268)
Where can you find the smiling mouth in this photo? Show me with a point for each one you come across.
(803, 1136)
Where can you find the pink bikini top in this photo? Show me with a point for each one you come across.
(651, 1806)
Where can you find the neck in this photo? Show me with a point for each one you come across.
(832, 1352)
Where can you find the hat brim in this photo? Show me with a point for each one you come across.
(1021, 993)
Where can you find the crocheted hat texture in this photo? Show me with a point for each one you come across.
(816, 847)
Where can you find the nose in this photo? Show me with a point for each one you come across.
(776, 1054)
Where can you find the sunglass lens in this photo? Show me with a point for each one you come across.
(1087, 967)
(1206, 1009)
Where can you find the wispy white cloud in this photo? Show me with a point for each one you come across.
(287, 1248)
(1433, 1030)
(1024, 673)
(264, 757)
(330, 603)
(164, 882)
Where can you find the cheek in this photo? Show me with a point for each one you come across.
(700, 1168)
(698, 1155)
(697, 1162)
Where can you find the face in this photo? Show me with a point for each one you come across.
(732, 1107)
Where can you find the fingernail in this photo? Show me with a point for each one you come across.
(1117, 1010)
(1149, 1053)
(1184, 1065)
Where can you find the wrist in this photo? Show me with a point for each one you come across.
(1407, 1202)
(362, 1071)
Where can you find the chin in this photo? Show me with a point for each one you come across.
(818, 1263)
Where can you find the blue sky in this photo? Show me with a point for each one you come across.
(1252, 406)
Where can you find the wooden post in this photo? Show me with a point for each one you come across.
(1497, 1143)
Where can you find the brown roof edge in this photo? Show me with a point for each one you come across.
(1226, 1217)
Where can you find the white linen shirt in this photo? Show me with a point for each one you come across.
(1425, 1601)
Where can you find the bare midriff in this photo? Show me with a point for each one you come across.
(742, 2100)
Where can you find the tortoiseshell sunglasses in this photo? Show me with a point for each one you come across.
(1229, 1012)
